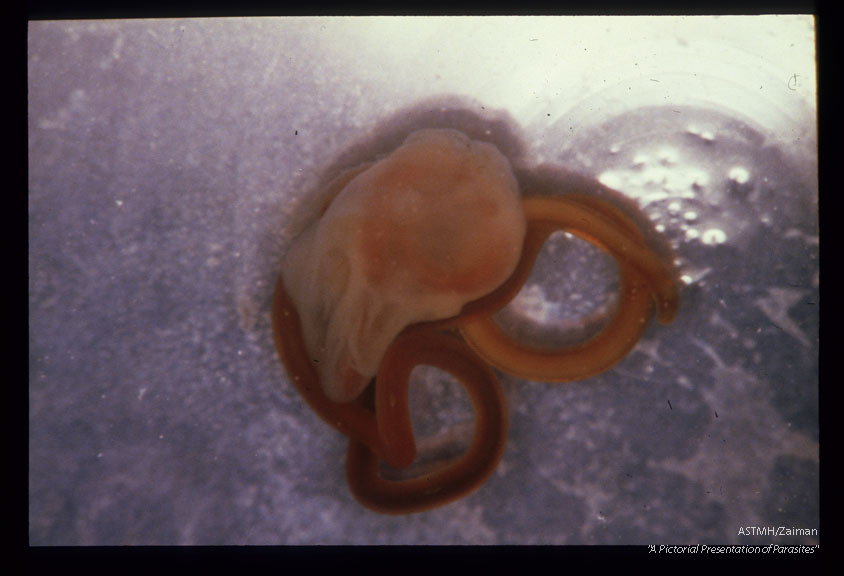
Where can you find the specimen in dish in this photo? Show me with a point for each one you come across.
(405, 265)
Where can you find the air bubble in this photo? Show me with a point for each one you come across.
(713, 236)
(739, 180)
(739, 175)
(611, 180)
(706, 135)
(640, 160)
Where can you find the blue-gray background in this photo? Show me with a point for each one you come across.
(167, 162)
